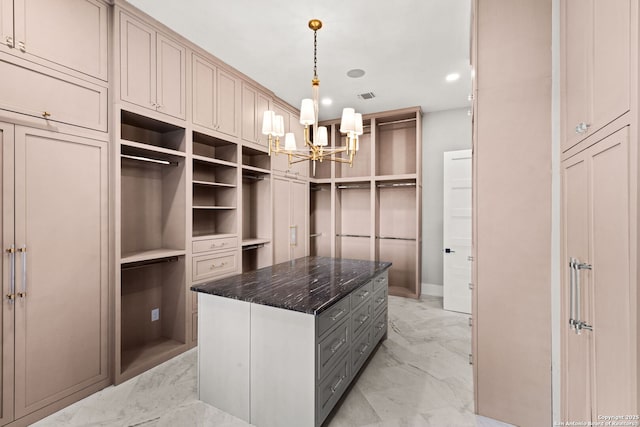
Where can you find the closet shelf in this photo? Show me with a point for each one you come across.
(255, 241)
(149, 148)
(401, 177)
(213, 184)
(256, 169)
(222, 208)
(147, 255)
(215, 161)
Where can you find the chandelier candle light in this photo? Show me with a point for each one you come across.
(315, 146)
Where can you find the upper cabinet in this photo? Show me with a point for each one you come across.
(152, 68)
(254, 104)
(280, 162)
(71, 34)
(216, 97)
(596, 37)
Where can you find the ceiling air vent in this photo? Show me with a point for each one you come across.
(367, 95)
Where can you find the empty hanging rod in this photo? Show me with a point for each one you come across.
(397, 184)
(352, 235)
(352, 187)
(147, 159)
(395, 238)
(397, 121)
(315, 235)
(250, 247)
(140, 264)
(253, 177)
(320, 188)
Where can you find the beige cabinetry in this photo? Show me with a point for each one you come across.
(292, 124)
(596, 73)
(152, 68)
(290, 215)
(254, 104)
(67, 34)
(52, 355)
(216, 95)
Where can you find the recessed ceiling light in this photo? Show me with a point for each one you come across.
(326, 101)
(452, 77)
(355, 73)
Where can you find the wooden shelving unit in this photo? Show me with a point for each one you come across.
(372, 210)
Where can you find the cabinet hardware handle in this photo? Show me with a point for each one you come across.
(22, 47)
(578, 324)
(572, 285)
(338, 314)
(364, 295)
(9, 42)
(364, 349)
(379, 326)
(12, 273)
(46, 114)
(214, 245)
(213, 266)
(380, 300)
(23, 250)
(337, 345)
(582, 127)
(337, 384)
(364, 319)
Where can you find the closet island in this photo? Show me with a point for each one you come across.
(279, 346)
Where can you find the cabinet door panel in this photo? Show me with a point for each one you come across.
(611, 54)
(280, 162)
(6, 320)
(301, 168)
(263, 103)
(249, 122)
(299, 202)
(6, 25)
(61, 324)
(171, 79)
(281, 220)
(71, 33)
(204, 92)
(137, 62)
(228, 105)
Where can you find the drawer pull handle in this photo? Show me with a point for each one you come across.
(364, 319)
(364, 349)
(338, 314)
(380, 300)
(379, 326)
(213, 266)
(364, 295)
(334, 387)
(337, 345)
(213, 246)
(46, 114)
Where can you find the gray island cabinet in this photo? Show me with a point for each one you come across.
(280, 345)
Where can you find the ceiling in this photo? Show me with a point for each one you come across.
(406, 47)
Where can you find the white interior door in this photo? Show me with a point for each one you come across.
(457, 230)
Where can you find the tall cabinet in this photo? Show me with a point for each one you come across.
(290, 198)
(599, 104)
(372, 210)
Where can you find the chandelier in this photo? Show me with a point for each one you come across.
(316, 138)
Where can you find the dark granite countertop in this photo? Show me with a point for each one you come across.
(308, 285)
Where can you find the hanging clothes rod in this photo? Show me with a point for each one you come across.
(150, 160)
(413, 119)
(141, 264)
(251, 247)
(397, 184)
(320, 187)
(395, 238)
(315, 235)
(352, 187)
(352, 235)
(252, 177)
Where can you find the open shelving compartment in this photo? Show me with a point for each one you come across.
(361, 167)
(396, 145)
(214, 186)
(353, 220)
(256, 210)
(396, 231)
(320, 221)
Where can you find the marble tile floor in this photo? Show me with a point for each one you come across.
(420, 376)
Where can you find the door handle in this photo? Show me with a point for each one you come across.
(12, 273)
(576, 321)
(23, 250)
(572, 322)
(449, 251)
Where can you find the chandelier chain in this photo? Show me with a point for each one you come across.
(315, 54)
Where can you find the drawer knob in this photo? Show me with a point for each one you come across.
(22, 47)
(46, 114)
(582, 127)
(9, 41)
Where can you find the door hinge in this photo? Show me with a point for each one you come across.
(469, 258)
(470, 321)
(470, 286)
(470, 359)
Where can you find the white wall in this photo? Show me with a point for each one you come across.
(441, 131)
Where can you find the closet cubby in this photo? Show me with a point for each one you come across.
(320, 221)
(396, 145)
(255, 160)
(353, 220)
(209, 148)
(362, 161)
(148, 288)
(144, 132)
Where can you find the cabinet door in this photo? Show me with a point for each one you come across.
(576, 37)
(171, 79)
(263, 103)
(228, 104)
(281, 220)
(301, 168)
(6, 25)
(203, 92)
(611, 67)
(280, 162)
(137, 62)
(61, 205)
(299, 215)
(250, 129)
(6, 319)
(71, 33)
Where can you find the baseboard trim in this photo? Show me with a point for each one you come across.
(432, 289)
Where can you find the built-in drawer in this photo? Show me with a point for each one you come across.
(211, 245)
(360, 350)
(379, 326)
(333, 315)
(380, 300)
(214, 265)
(52, 96)
(380, 281)
(361, 295)
(331, 348)
(332, 388)
(361, 318)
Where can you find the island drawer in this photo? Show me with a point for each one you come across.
(381, 281)
(380, 299)
(379, 326)
(361, 295)
(331, 348)
(361, 318)
(214, 265)
(333, 315)
(210, 245)
(360, 350)
(332, 388)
